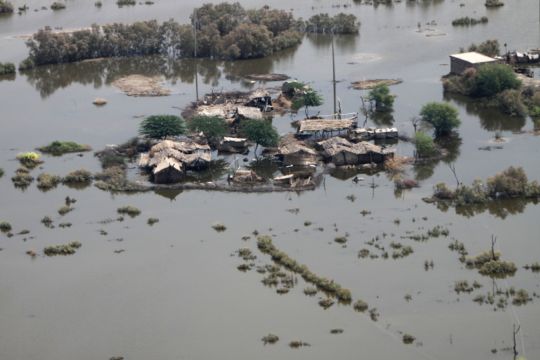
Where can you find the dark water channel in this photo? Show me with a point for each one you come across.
(175, 292)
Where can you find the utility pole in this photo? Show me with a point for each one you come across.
(195, 55)
(334, 73)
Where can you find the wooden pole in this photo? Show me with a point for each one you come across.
(334, 73)
(195, 53)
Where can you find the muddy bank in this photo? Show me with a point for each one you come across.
(140, 85)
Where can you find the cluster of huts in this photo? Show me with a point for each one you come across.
(332, 140)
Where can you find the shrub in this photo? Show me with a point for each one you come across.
(488, 48)
(7, 68)
(260, 131)
(63, 147)
(125, 2)
(492, 79)
(382, 98)
(306, 99)
(58, 6)
(338, 24)
(511, 182)
(65, 249)
(132, 211)
(160, 126)
(81, 176)
(425, 147)
(510, 103)
(5, 227)
(29, 159)
(213, 127)
(47, 181)
(1, 172)
(6, 7)
(442, 116)
(468, 21)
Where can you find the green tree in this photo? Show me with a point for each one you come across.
(488, 48)
(425, 147)
(306, 99)
(492, 79)
(213, 127)
(6, 7)
(442, 116)
(259, 131)
(160, 126)
(382, 98)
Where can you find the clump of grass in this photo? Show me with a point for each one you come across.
(265, 245)
(29, 159)
(365, 212)
(22, 178)
(479, 299)
(6, 68)
(310, 291)
(298, 344)
(402, 252)
(534, 267)
(152, 221)
(78, 177)
(219, 227)
(270, 339)
(132, 211)
(246, 254)
(65, 225)
(326, 303)
(47, 221)
(360, 306)
(5, 227)
(521, 297)
(307, 223)
(462, 286)
(244, 267)
(65, 209)
(58, 148)
(408, 297)
(408, 339)
(469, 21)
(23, 232)
(57, 6)
(47, 181)
(498, 269)
(363, 253)
(121, 3)
(1, 172)
(64, 249)
(98, 4)
(351, 197)
(282, 291)
(336, 331)
(340, 239)
(374, 314)
(294, 211)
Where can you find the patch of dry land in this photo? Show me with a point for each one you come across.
(370, 84)
(140, 85)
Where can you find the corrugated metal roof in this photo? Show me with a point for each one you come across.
(473, 57)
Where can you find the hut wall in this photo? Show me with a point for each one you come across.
(168, 175)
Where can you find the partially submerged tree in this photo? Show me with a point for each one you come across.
(381, 97)
(488, 48)
(160, 126)
(213, 127)
(261, 132)
(308, 98)
(6, 7)
(425, 147)
(491, 79)
(442, 116)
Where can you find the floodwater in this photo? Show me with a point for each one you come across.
(175, 292)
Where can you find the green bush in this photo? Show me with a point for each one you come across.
(213, 127)
(510, 103)
(58, 5)
(306, 99)
(160, 126)
(488, 48)
(491, 79)
(425, 147)
(7, 68)
(6, 7)
(125, 2)
(382, 98)
(468, 21)
(442, 116)
(63, 147)
(260, 131)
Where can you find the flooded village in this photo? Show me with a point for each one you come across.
(187, 180)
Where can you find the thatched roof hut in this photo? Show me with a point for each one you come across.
(233, 145)
(342, 152)
(322, 126)
(297, 153)
(168, 159)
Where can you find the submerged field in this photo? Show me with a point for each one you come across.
(139, 288)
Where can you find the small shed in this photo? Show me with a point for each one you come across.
(342, 152)
(297, 153)
(233, 145)
(460, 62)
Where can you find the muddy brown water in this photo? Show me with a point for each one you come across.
(175, 292)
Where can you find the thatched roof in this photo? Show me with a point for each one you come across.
(249, 112)
(259, 93)
(296, 148)
(314, 125)
(176, 154)
(336, 145)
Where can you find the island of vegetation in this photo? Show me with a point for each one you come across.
(6, 7)
(222, 31)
